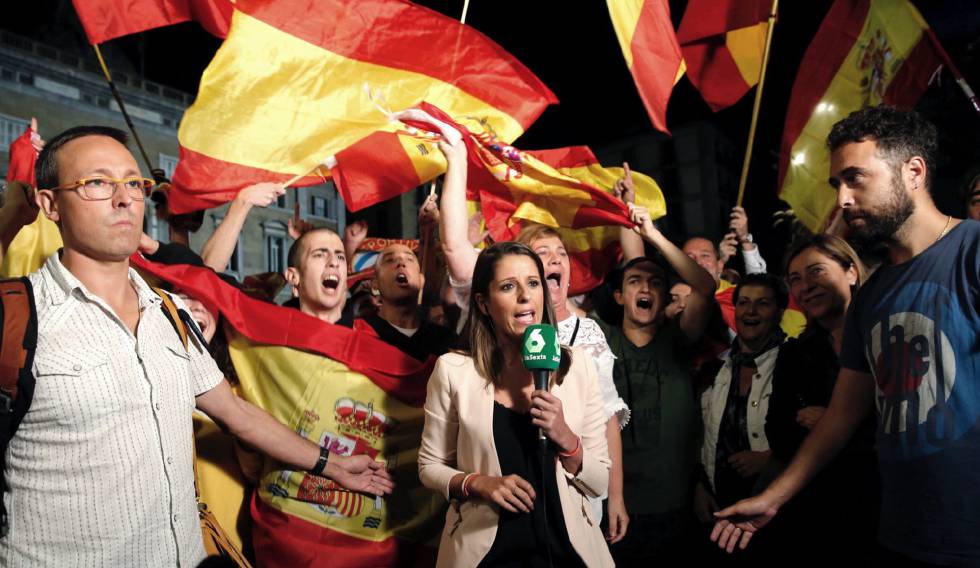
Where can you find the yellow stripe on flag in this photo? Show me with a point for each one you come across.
(299, 117)
(648, 194)
(625, 14)
(747, 46)
(890, 32)
(33, 244)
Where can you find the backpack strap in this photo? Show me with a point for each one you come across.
(170, 310)
(18, 342)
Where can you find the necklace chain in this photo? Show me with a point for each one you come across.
(945, 228)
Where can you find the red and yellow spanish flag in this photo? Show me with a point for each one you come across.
(347, 391)
(723, 43)
(646, 36)
(297, 81)
(594, 250)
(866, 52)
(108, 19)
(38, 240)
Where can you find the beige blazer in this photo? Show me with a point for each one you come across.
(458, 438)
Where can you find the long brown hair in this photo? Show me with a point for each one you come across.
(487, 355)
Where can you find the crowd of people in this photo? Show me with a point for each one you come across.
(826, 409)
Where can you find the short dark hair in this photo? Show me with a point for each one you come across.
(292, 257)
(767, 280)
(46, 168)
(617, 280)
(898, 134)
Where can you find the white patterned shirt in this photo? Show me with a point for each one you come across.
(100, 471)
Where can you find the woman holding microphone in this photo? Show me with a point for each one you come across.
(482, 418)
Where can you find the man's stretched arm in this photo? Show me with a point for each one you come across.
(257, 428)
(852, 400)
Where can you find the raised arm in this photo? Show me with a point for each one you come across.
(695, 316)
(219, 248)
(428, 228)
(630, 241)
(454, 223)
(852, 400)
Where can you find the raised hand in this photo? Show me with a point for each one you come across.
(429, 211)
(624, 189)
(361, 473)
(728, 246)
(296, 226)
(36, 141)
(510, 492)
(260, 194)
(739, 223)
(148, 245)
(644, 225)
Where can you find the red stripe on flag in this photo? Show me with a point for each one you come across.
(589, 268)
(469, 60)
(567, 157)
(374, 169)
(285, 541)
(656, 59)
(103, 20)
(713, 72)
(838, 32)
(22, 159)
(390, 369)
(706, 18)
(917, 71)
(225, 180)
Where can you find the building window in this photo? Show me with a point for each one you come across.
(168, 164)
(276, 246)
(318, 206)
(10, 129)
(282, 202)
(325, 206)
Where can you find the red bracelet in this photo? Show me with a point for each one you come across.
(578, 446)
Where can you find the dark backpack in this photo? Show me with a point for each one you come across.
(18, 342)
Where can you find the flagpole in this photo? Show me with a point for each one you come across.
(758, 103)
(122, 107)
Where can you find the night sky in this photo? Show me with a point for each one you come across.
(572, 47)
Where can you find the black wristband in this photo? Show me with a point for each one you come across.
(321, 462)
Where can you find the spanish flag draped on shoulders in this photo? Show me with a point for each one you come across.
(347, 391)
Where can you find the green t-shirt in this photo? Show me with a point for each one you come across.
(661, 441)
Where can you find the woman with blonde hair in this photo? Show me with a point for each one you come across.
(823, 274)
(509, 506)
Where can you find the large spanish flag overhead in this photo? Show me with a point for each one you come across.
(866, 52)
(108, 19)
(723, 43)
(347, 391)
(594, 250)
(297, 81)
(565, 189)
(646, 36)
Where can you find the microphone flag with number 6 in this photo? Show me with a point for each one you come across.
(540, 349)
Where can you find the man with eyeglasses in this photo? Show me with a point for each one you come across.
(99, 472)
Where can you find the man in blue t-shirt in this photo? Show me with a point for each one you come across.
(911, 346)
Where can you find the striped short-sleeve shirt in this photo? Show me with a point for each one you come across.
(100, 470)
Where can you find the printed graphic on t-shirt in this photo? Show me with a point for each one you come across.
(922, 406)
